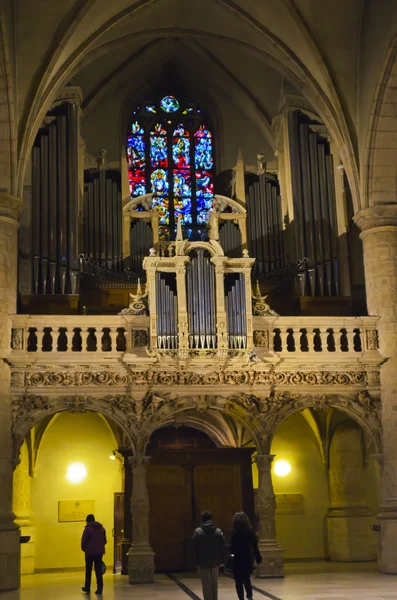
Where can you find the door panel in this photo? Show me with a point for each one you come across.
(169, 514)
(217, 488)
(118, 530)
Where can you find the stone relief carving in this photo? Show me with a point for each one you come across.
(140, 338)
(261, 338)
(79, 376)
(17, 339)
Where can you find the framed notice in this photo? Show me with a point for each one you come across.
(289, 504)
(75, 511)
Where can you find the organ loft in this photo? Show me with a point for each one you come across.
(197, 284)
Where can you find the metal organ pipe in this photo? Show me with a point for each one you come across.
(55, 195)
(201, 301)
(264, 224)
(236, 311)
(314, 210)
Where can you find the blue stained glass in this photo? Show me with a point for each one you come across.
(181, 152)
(182, 185)
(136, 152)
(169, 104)
(204, 185)
(158, 152)
(159, 181)
(136, 129)
(203, 152)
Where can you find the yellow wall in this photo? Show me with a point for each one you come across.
(72, 438)
(301, 536)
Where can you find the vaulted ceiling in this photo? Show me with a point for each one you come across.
(239, 56)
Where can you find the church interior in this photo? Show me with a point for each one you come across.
(198, 290)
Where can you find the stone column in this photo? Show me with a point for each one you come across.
(272, 554)
(10, 208)
(140, 555)
(379, 236)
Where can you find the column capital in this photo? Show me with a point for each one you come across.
(382, 215)
(264, 461)
(10, 207)
(139, 462)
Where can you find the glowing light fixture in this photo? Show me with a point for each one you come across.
(76, 473)
(112, 457)
(282, 468)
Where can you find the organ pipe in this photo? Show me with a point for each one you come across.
(102, 217)
(235, 304)
(55, 195)
(314, 206)
(264, 224)
(166, 308)
(200, 284)
(230, 239)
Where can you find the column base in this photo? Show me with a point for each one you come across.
(387, 547)
(272, 564)
(10, 556)
(140, 565)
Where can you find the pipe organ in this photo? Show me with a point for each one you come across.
(141, 240)
(55, 201)
(200, 285)
(167, 311)
(102, 217)
(230, 239)
(264, 224)
(236, 310)
(200, 300)
(313, 190)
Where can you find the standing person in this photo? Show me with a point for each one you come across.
(93, 545)
(208, 549)
(244, 548)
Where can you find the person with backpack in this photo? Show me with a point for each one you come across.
(93, 544)
(244, 549)
(208, 549)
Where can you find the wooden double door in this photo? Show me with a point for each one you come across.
(181, 486)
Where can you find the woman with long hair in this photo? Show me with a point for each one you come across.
(244, 548)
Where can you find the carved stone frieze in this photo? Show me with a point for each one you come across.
(249, 374)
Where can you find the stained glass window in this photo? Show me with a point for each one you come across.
(171, 156)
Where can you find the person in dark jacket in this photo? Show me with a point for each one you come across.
(208, 548)
(244, 548)
(93, 545)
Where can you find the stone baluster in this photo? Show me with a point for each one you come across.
(310, 338)
(272, 564)
(10, 209)
(69, 337)
(84, 337)
(297, 334)
(113, 338)
(351, 334)
(378, 226)
(284, 335)
(39, 337)
(140, 555)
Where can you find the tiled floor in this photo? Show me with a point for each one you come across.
(318, 586)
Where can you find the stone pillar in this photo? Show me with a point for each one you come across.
(10, 208)
(349, 518)
(272, 554)
(379, 236)
(140, 555)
